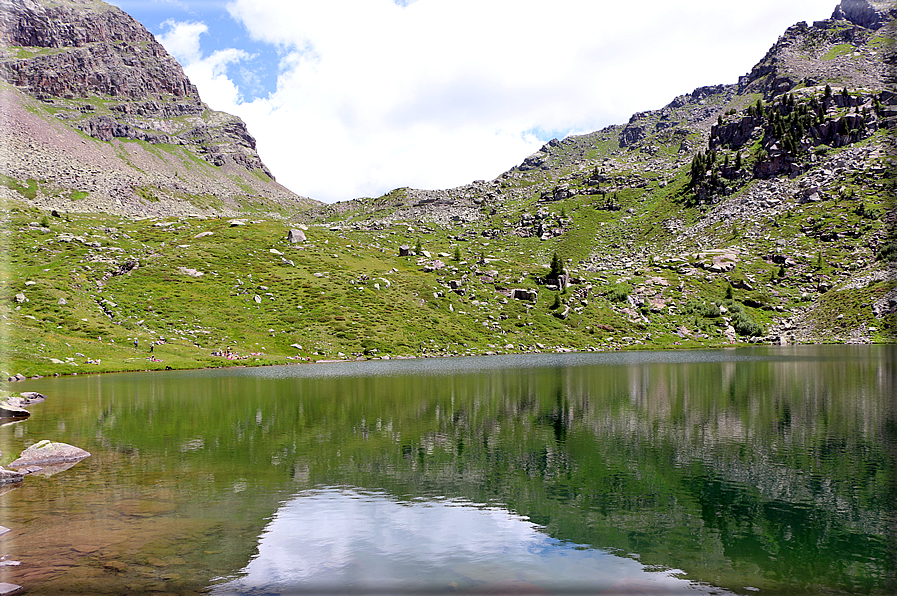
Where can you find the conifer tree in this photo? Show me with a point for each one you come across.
(557, 267)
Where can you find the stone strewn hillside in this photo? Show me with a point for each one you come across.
(754, 212)
(782, 183)
(100, 117)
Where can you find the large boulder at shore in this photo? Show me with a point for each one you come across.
(26, 398)
(32, 397)
(10, 476)
(11, 409)
(48, 452)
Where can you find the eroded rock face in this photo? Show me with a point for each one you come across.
(97, 50)
(112, 54)
(48, 452)
(98, 71)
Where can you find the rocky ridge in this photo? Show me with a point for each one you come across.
(82, 73)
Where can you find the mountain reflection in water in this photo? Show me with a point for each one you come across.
(761, 468)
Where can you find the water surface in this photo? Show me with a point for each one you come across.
(762, 470)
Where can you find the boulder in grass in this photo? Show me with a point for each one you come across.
(47, 452)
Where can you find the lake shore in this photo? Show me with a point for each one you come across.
(179, 356)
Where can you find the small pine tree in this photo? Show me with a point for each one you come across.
(557, 267)
(787, 145)
(738, 160)
(457, 255)
(557, 301)
(828, 91)
(729, 292)
(417, 247)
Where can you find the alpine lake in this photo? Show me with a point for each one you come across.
(762, 470)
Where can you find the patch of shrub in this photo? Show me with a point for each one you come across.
(619, 293)
(743, 323)
(887, 251)
(709, 310)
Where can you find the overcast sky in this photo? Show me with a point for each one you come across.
(352, 98)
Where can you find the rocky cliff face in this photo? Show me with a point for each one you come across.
(870, 15)
(82, 48)
(85, 66)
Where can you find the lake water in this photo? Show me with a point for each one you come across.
(769, 470)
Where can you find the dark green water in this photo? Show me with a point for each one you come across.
(750, 471)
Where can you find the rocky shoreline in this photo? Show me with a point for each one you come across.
(44, 458)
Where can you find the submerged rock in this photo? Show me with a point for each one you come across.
(47, 452)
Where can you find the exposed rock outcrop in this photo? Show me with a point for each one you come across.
(871, 15)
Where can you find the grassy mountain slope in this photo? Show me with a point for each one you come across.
(759, 211)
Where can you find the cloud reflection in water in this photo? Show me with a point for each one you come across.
(338, 540)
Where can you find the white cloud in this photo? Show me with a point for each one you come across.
(373, 95)
(209, 74)
(182, 40)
